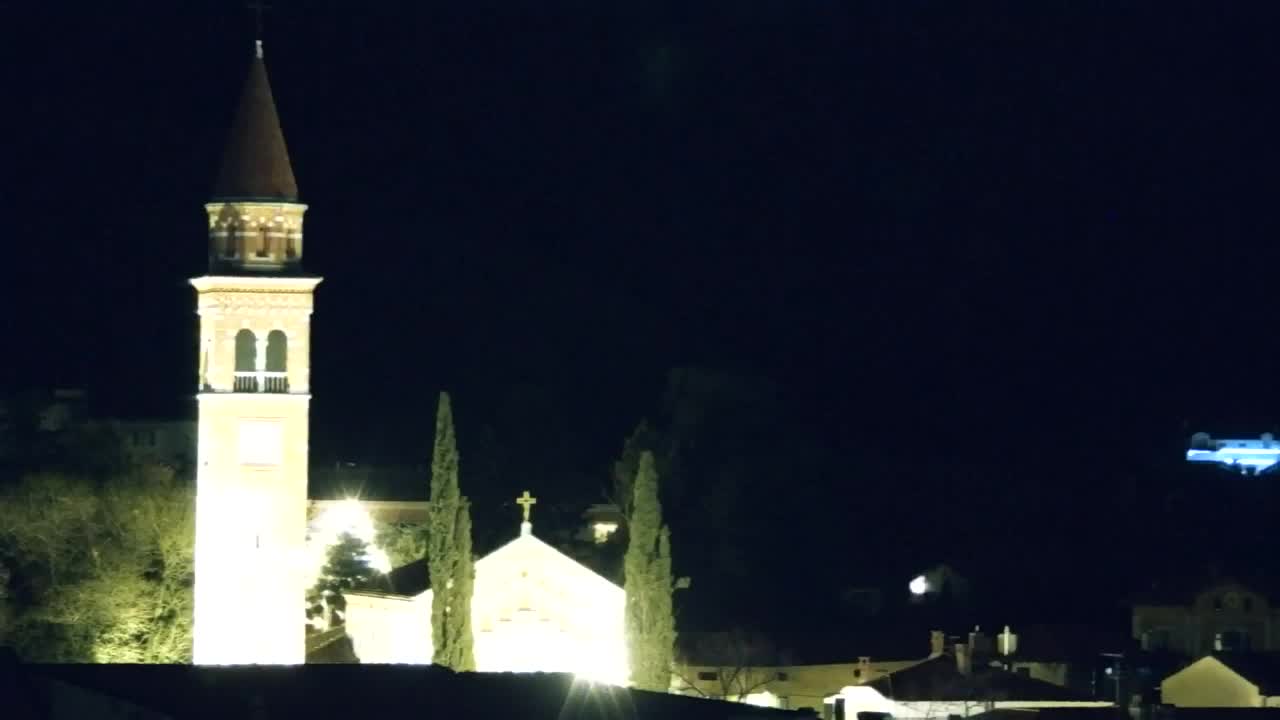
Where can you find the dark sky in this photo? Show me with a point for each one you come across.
(1028, 242)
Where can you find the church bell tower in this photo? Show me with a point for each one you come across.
(254, 391)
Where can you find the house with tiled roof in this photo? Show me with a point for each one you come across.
(947, 684)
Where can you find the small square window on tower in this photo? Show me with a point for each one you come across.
(261, 442)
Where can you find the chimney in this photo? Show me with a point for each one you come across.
(979, 647)
(963, 661)
(1008, 644)
(937, 643)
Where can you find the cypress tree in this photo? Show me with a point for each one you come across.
(449, 551)
(462, 657)
(650, 623)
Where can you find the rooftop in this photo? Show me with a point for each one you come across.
(256, 165)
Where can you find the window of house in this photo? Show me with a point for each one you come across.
(1157, 639)
(783, 676)
(707, 675)
(1231, 641)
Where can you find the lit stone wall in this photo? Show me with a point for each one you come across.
(790, 686)
(388, 629)
(260, 304)
(1209, 683)
(251, 480)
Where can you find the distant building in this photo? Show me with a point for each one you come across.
(784, 673)
(950, 684)
(409, 512)
(1225, 617)
(789, 671)
(62, 410)
(157, 442)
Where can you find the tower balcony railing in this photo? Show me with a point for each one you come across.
(266, 381)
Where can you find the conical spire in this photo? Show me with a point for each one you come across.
(256, 164)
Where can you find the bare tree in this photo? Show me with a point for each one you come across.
(729, 665)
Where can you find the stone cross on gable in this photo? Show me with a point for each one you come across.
(526, 502)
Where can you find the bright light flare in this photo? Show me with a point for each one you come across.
(346, 517)
(602, 530)
(919, 585)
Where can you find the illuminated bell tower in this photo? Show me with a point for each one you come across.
(254, 392)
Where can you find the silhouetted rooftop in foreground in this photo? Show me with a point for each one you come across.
(342, 692)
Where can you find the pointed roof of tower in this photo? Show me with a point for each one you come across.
(256, 162)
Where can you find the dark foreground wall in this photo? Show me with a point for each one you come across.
(341, 692)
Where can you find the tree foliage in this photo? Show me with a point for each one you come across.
(650, 622)
(100, 572)
(643, 438)
(402, 542)
(449, 561)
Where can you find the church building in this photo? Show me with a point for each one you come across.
(534, 609)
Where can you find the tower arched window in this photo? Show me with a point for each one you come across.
(291, 245)
(246, 361)
(277, 379)
(264, 245)
(229, 240)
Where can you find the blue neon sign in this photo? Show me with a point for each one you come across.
(1249, 457)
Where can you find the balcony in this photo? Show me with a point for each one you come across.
(253, 381)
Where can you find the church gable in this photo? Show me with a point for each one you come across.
(525, 554)
(533, 609)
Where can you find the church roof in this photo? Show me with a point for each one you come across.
(1261, 669)
(255, 165)
(411, 579)
(414, 579)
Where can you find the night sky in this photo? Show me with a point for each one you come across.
(1001, 258)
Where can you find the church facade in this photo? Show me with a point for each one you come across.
(534, 609)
